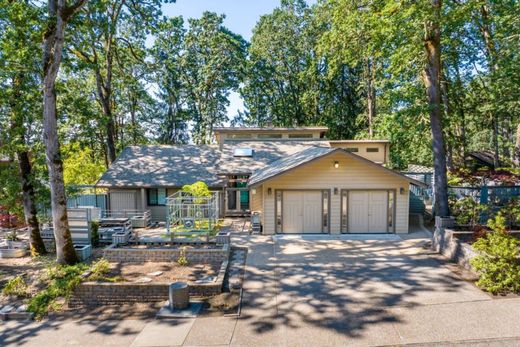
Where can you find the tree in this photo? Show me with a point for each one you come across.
(167, 54)
(431, 76)
(212, 65)
(59, 14)
(99, 42)
(19, 41)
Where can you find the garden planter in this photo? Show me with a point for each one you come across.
(12, 252)
(83, 251)
(120, 238)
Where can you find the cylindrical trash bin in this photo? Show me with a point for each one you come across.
(179, 295)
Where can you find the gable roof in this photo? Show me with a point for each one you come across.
(306, 156)
(163, 166)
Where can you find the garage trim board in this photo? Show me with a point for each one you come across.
(301, 205)
(364, 197)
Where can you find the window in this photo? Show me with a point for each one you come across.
(352, 149)
(157, 197)
(243, 152)
(372, 150)
(325, 223)
(239, 136)
(300, 136)
(269, 136)
(278, 211)
(344, 210)
(391, 198)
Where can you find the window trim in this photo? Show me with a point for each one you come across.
(157, 192)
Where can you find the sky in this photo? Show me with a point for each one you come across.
(241, 17)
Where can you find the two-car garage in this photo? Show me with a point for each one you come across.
(332, 192)
(361, 211)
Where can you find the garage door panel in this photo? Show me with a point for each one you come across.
(367, 211)
(312, 212)
(377, 212)
(301, 212)
(292, 212)
(358, 207)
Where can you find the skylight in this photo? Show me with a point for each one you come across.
(243, 152)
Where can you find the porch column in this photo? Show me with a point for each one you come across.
(143, 199)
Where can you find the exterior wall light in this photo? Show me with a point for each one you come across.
(401, 191)
(336, 164)
(253, 191)
(336, 191)
(269, 191)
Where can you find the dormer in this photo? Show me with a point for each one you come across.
(269, 133)
(377, 151)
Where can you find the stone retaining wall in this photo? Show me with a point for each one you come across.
(118, 293)
(114, 253)
(445, 241)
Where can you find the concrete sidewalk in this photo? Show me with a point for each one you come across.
(317, 293)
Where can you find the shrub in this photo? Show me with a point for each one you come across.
(467, 211)
(182, 260)
(95, 233)
(62, 280)
(16, 287)
(498, 262)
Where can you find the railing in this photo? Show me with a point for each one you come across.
(146, 214)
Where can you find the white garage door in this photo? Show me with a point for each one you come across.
(301, 212)
(368, 212)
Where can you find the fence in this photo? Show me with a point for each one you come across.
(495, 196)
(96, 200)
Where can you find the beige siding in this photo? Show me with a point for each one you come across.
(379, 157)
(257, 201)
(351, 174)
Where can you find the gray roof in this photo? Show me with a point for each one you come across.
(289, 163)
(310, 154)
(163, 166)
(264, 153)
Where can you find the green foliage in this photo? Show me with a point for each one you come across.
(95, 232)
(182, 260)
(80, 165)
(467, 211)
(16, 287)
(198, 189)
(61, 282)
(498, 262)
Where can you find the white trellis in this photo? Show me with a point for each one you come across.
(190, 215)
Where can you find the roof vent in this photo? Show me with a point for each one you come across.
(243, 152)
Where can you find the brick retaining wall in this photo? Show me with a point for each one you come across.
(107, 293)
(140, 255)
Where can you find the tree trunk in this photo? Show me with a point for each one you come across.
(491, 53)
(37, 246)
(29, 205)
(516, 159)
(431, 77)
(52, 54)
(371, 96)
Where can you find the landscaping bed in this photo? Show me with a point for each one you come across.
(161, 272)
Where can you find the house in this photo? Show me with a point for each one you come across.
(297, 180)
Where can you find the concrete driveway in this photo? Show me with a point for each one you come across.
(317, 293)
(332, 293)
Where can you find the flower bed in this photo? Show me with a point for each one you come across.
(118, 293)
